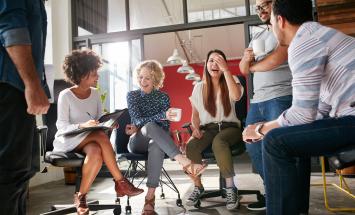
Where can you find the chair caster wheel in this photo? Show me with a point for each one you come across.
(117, 210)
(128, 209)
(162, 196)
(198, 204)
(179, 202)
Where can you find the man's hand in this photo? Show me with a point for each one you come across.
(36, 99)
(246, 61)
(248, 55)
(249, 134)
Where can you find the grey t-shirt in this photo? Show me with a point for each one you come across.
(270, 84)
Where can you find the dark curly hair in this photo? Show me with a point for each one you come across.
(79, 64)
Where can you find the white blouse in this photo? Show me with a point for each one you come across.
(205, 117)
(71, 112)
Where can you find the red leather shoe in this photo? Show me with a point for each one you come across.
(80, 204)
(124, 187)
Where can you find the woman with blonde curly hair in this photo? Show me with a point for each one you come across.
(150, 113)
(79, 107)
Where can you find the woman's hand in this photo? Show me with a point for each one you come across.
(89, 123)
(131, 129)
(197, 133)
(222, 64)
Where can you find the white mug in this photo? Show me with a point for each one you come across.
(177, 117)
(258, 46)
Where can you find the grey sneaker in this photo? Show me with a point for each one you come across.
(195, 196)
(232, 198)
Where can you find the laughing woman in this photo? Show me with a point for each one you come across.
(150, 114)
(215, 124)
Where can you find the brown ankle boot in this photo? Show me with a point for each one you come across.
(124, 187)
(80, 204)
(150, 203)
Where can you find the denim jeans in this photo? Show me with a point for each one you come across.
(259, 112)
(282, 146)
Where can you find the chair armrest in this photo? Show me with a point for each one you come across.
(42, 132)
(188, 127)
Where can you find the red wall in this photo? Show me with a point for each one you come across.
(180, 89)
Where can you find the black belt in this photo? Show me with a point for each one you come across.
(219, 125)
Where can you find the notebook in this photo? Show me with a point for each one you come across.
(106, 122)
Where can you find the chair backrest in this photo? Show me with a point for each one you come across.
(121, 137)
(50, 118)
(241, 107)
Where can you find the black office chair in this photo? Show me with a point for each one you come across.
(236, 150)
(137, 167)
(61, 159)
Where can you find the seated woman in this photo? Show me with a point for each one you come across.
(214, 121)
(79, 107)
(150, 115)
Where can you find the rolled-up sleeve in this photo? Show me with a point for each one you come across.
(13, 23)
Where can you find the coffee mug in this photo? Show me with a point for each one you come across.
(258, 46)
(177, 116)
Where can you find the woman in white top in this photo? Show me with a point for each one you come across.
(80, 107)
(215, 124)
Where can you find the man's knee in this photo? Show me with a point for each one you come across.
(271, 143)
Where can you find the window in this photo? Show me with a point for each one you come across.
(99, 16)
(154, 13)
(203, 10)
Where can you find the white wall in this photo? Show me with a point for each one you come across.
(62, 44)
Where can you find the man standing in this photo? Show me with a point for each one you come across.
(22, 37)
(272, 92)
(321, 119)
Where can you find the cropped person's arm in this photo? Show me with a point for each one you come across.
(271, 61)
(247, 59)
(14, 36)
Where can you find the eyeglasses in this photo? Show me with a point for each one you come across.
(262, 7)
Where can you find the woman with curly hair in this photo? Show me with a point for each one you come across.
(79, 107)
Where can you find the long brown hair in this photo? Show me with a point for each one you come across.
(209, 100)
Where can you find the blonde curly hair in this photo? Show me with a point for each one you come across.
(156, 71)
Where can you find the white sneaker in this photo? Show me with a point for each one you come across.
(232, 198)
(195, 196)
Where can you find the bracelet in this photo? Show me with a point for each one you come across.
(258, 129)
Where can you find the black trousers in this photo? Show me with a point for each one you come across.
(17, 129)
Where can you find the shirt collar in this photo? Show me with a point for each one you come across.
(143, 94)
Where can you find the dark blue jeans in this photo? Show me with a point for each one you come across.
(259, 112)
(282, 147)
(17, 129)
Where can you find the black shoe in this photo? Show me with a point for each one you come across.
(259, 205)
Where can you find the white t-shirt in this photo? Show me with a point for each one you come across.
(71, 112)
(205, 117)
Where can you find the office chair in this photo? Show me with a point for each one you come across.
(137, 167)
(236, 150)
(62, 159)
(345, 157)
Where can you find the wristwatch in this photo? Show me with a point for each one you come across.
(258, 129)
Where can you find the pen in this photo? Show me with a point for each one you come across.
(90, 116)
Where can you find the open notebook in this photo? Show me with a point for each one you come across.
(107, 122)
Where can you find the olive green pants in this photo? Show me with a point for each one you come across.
(221, 142)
